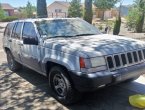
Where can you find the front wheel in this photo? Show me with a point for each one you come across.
(61, 86)
(12, 64)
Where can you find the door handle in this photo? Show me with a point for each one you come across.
(20, 44)
(10, 40)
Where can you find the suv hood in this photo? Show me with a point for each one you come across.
(95, 45)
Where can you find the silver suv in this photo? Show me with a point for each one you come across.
(73, 54)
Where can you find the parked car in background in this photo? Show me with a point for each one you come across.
(73, 55)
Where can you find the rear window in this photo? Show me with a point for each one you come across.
(17, 30)
(8, 29)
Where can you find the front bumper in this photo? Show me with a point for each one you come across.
(90, 82)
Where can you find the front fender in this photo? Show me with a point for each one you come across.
(68, 61)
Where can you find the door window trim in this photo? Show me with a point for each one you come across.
(33, 26)
(14, 30)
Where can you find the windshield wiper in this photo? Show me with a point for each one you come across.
(61, 36)
(84, 34)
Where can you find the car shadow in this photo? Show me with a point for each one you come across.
(27, 89)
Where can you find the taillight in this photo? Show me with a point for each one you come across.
(82, 62)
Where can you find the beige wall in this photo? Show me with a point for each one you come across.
(108, 13)
(51, 10)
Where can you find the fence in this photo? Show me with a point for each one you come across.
(57, 14)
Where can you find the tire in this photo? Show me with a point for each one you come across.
(61, 86)
(12, 64)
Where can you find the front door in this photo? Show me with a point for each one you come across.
(30, 52)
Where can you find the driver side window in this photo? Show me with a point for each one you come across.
(29, 30)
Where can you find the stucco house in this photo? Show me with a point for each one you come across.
(8, 9)
(58, 9)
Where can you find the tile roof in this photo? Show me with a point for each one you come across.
(66, 4)
(6, 6)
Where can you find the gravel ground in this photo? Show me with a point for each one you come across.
(27, 90)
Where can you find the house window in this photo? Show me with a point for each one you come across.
(58, 10)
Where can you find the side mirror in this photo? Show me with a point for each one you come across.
(30, 40)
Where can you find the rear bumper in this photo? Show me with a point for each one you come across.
(90, 82)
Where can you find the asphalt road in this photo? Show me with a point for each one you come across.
(27, 90)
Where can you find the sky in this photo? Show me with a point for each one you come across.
(18, 3)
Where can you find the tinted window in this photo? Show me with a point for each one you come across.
(29, 30)
(18, 30)
(14, 30)
(8, 29)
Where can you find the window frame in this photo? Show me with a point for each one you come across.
(14, 28)
(9, 28)
(36, 37)
(20, 34)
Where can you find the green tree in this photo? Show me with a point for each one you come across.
(29, 10)
(1, 13)
(75, 9)
(88, 14)
(136, 16)
(140, 4)
(104, 5)
(117, 26)
(42, 9)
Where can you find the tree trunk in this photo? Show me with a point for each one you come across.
(103, 15)
(41, 9)
(88, 14)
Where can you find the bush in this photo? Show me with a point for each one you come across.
(100, 27)
(132, 18)
(9, 18)
(117, 25)
(1, 14)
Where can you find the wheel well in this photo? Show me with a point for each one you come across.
(6, 49)
(50, 64)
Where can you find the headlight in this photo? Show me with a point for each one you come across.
(98, 61)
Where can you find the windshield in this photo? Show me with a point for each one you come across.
(65, 28)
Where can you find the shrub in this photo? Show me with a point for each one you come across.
(117, 25)
(132, 18)
(1, 14)
(100, 27)
(9, 18)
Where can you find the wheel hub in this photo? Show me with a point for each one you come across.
(59, 85)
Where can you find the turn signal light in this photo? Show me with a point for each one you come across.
(82, 63)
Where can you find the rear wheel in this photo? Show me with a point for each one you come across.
(12, 64)
(61, 86)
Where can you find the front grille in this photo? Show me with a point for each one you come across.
(130, 59)
(140, 55)
(110, 62)
(135, 57)
(125, 59)
(117, 61)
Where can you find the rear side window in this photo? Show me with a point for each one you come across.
(8, 29)
(29, 30)
(17, 30)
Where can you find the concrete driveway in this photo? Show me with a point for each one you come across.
(27, 90)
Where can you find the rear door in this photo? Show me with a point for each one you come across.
(16, 41)
(7, 35)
